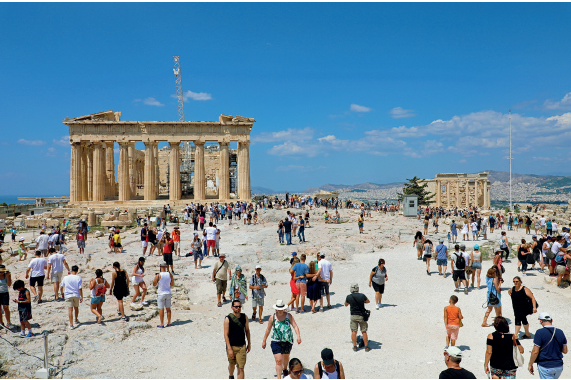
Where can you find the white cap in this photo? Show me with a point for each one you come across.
(454, 351)
(21, 239)
(545, 316)
(258, 266)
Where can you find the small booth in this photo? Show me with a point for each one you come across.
(410, 204)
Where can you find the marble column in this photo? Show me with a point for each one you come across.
(132, 176)
(84, 172)
(89, 152)
(199, 172)
(438, 193)
(75, 174)
(224, 189)
(244, 169)
(476, 200)
(124, 184)
(174, 171)
(157, 174)
(149, 171)
(458, 199)
(99, 176)
(110, 168)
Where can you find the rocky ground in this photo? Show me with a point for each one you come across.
(407, 335)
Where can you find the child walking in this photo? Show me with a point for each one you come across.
(452, 320)
(24, 302)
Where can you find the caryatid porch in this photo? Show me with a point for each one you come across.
(92, 171)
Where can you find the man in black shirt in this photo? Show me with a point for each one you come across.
(236, 330)
(452, 358)
(287, 230)
(357, 301)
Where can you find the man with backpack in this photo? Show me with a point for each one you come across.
(458, 264)
(332, 368)
(236, 330)
(549, 345)
(560, 256)
(258, 283)
(359, 315)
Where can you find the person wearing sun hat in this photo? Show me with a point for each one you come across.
(452, 358)
(549, 345)
(22, 251)
(280, 325)
(332, 368)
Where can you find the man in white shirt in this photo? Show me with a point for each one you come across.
(56, 262)
(484, 227)
(210, 238)
(72, 289)
(37, 266)
(474, 230)
(43, 241)
(164, 280)
(542, 224)
(325, 271)
(217, 242)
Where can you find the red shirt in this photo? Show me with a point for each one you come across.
(169, 244)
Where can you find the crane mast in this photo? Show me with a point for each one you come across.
(178, 83)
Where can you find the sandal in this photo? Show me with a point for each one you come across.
(355, 348)
(219, 304)
(254, 316)
(367, 349)
(160, 326)
(169, 325)
(261, 321)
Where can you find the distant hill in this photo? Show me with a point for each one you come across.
(361, 186)
(258, 190)
(544, 180)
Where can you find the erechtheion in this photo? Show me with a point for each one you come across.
(460, 190)
(213, 171)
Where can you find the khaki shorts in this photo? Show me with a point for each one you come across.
(56, 277)
(176, 245)
(221, 286)
(560, 269)
(239, 356)
(72, 302)
(358, 321)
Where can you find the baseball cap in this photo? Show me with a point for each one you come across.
(258, 266)
(327, 356)
(294, 253)
(222, 254)
(21, 239)
(454, 351)
(533, 236)
(462, 246)
(322, 254)
(163, 264)
(545, 316)
(441, 240)
(476, 246)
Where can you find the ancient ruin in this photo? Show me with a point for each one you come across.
(460, 190)
(210, 169)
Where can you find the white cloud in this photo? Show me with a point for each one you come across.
(358, 108)
(196, 96)
(31, 142)
(290, 148)
(563, 104)
(400, 113)
(63, 141)
(51, 152)
(289, 134)
(152, 102)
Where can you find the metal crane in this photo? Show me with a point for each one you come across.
(178, 83)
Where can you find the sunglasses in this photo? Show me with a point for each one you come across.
(516, 282)
(238, 307)
(297, 373)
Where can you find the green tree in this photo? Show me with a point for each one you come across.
(413, 187)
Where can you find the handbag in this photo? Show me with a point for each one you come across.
(461, 324)
(469, 270)
(493, 299)
(518, 357)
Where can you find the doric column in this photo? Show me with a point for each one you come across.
(157, 175)
(99, 175)
(124, 184)
(438, 193)
(149, 172)
(467, 190)
(89, 153)
(132, 175)
(476, 200)
(84, 172)
(110, 168)
(199, 172)
(174, 171)
(458, 193)
(244, 169)
(75, 173)
(224, 185)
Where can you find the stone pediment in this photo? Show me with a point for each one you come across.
(99, 116)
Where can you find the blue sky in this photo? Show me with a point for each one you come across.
(342, 93)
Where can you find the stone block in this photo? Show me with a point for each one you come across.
(123, 216)
(116, 223)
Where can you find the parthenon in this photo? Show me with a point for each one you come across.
(460, 190)
(92, 170)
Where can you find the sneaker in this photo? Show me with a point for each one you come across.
(72, 327)
(118, 313)
(377, 307)
(30, 334)
(133, 304)
(77, 321)
(456, 290)
(125, 318)
(321, 309)
(40, 301)
(145, 303)
(35, 298)
(465, 290)
(22, 335)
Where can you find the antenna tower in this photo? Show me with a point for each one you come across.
(178, 82)
(510, 113)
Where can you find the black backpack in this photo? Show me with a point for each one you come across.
(460, 262)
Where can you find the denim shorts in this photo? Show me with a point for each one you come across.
(443, 262)
(283, 348)
(96, 300)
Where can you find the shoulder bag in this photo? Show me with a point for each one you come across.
(366, 313)
(518, 357)
(218, 270)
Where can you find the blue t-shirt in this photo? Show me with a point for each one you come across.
(453, 227)
(441, 251)
(300, 270)
(550, 355)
